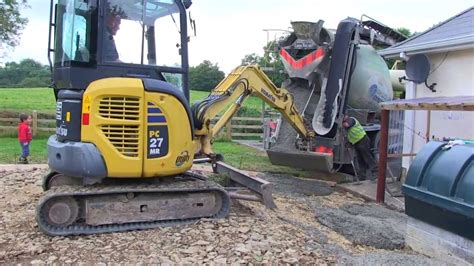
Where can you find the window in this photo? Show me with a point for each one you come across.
(175, 79)
(168, 40)
(142, 32)
(73, 40)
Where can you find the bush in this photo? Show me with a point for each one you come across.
(34, 82)
(205, 76)
(248, 112)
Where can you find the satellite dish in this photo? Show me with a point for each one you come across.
(418, 68)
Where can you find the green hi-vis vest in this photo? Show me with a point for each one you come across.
(356, 133)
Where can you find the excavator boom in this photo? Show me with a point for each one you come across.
(232, 91)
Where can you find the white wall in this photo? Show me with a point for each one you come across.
(408, 134)
(454, 74)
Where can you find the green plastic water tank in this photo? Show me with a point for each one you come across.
(439, 188)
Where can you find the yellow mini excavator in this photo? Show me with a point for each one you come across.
(126, 134)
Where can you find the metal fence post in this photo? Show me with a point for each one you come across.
(384, 119)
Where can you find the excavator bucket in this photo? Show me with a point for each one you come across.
(241, 185)
(322, 162)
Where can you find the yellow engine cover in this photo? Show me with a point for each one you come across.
(139, 133)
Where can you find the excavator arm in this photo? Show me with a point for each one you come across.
(230, 94)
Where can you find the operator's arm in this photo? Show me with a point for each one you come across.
(111, 54)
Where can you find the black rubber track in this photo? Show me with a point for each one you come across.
(181, 186)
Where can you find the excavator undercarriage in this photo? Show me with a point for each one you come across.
(130, 205)
(70, 208)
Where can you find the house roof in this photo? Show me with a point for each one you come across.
(453, 34)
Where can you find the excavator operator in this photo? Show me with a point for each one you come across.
(112, 26)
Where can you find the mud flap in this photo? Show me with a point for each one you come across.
(319, 161)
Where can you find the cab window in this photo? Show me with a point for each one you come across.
(73, 40)
(142, 32)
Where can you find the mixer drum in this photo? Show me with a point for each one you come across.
(370, 81)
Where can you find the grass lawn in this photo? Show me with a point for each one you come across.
(27, 99)
(42, 100)
(248, 158)
(252, 106)
(197, 95)
(10, 150)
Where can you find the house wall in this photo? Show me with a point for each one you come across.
(454, 74)
(408, 134)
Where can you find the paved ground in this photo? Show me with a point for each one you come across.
(313, 225)
(368, 190)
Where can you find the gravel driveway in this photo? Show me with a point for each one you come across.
(251, 234)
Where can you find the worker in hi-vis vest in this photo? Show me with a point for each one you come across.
(357, 136)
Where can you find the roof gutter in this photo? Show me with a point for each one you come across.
(464, 42)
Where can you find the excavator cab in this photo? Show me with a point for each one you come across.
(115, 38)
(120, 73)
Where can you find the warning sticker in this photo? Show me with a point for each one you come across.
(86, 105)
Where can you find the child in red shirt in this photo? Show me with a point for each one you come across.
(24, 137)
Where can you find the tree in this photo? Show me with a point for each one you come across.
(174, 79)
(270, 62)
(405, 32)
(27, 73)
(252, 59)
(205, 76)
(391, 62)
(11, 22)
(271, 58)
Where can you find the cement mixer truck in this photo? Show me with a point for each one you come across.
(330, 74)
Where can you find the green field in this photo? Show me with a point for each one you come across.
(27, 99)
(42, 100)
(10, 150)
(247, 158)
